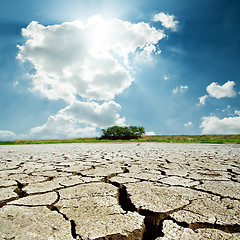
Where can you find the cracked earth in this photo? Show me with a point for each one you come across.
(149, 191)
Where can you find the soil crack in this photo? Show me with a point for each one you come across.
(153, 221)
(228, 228)
(72, 223)
(21, 193)
(52, 207)
(123, 198)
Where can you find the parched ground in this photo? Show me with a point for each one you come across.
(119, 191)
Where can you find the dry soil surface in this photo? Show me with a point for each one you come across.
(120, 191)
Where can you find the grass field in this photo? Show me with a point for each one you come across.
(155, 138)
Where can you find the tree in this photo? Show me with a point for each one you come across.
(125, 133)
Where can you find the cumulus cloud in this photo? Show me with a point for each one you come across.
(215, 125)
(7, 135)
(150, 133)
(189, 124)
(218, 91)
(165, 77)
(61, 127)
(166, 20)
(183, 88)
(76, 58)
(237, 112)
(202, 100)
(180, 89)
(16, 83)
(79, 119)
(93, 113)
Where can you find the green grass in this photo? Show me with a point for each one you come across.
(195, 138)
(156, 138)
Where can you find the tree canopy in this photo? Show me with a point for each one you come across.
(125, 133)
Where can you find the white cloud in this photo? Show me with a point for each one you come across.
(166, 20)
(183, 88)
(15, 83)
(61, 127)
(218, 91)
(202, 100)
(214, 125)
(150, 133)
(93, 113)
(175, 90)
(7, 135)
(86, 59)
(165, 77)
(189, 124)
(69, 121)
(237, 112)
(180, 89)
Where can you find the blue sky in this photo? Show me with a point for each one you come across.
(71, 68)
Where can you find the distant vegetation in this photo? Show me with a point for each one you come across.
(123, 133)
(154, 138)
